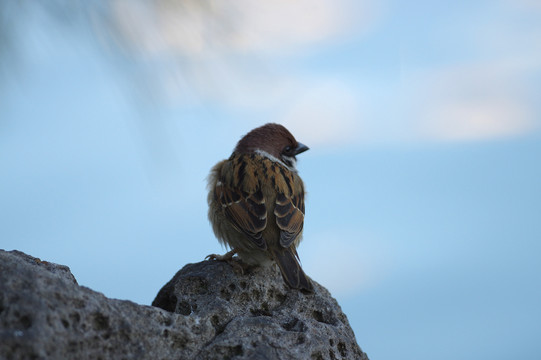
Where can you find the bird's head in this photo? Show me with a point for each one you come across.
(274, 142)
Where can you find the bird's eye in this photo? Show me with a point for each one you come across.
(287, 149)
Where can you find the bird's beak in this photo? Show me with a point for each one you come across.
(300, 148)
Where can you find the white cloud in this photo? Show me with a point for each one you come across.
(194, 27)
(462, 119)
(489, 92)
(233, 53)
(471, 102)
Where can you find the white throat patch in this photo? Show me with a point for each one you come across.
(292, 167)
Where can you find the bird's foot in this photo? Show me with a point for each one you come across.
(228, 258)
(225, 257)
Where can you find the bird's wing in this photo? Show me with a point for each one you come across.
(289, 212)
(246, 211)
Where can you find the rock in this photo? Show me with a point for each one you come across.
(256, 316)
(207, 311)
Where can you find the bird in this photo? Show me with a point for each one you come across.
(256, 203)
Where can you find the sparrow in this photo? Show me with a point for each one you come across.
(256, 203)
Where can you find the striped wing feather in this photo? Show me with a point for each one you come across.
(247, 212)
(289, 212)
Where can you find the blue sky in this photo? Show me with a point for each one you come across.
(423, 174)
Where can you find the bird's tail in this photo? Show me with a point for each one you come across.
(291, 269)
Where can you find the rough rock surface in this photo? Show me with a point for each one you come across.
(208, 311)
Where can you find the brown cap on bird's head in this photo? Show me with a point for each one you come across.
(271, 139)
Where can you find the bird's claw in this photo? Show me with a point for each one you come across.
(228, 258)
(225, 257)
